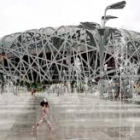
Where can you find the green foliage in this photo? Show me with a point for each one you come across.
(37, 86)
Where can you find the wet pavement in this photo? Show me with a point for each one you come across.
(73, 118)
(17, 115)
(84, 118)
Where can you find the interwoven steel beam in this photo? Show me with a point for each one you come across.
(49, 54)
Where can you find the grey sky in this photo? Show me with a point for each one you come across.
(21, 15)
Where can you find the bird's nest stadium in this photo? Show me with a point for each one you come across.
(71, 53)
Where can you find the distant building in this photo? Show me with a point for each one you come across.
(48, 54)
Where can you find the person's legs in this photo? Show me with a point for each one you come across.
(37, 124)
(48, 124)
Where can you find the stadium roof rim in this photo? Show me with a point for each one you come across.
(89, 25)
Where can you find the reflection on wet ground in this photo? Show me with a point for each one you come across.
(73, 118)
(91, 118)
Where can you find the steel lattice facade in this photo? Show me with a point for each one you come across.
(50, 54)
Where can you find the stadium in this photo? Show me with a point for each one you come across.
(70, 54)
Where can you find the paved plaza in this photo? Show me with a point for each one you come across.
(17, 114)
(74, 117)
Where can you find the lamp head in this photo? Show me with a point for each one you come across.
(108, 17)
(118, 5)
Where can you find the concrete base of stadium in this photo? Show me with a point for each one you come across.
(73, 118)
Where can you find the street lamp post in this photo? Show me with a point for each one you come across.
(105, 18)
(118, 5)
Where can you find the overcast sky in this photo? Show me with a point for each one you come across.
(21, 15)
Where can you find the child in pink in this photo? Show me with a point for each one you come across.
(44, 115)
